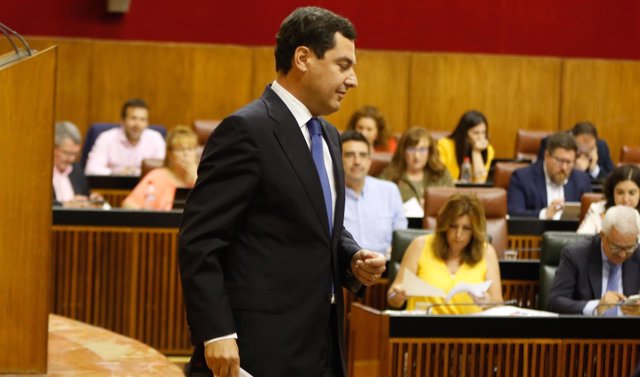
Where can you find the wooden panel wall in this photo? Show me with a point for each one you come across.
(26, 108)
(183, 82)
(512, 92)
(606, 92)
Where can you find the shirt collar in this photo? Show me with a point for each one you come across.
(65, 172)
(297, 108)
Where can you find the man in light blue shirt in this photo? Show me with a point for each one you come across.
(373, 207)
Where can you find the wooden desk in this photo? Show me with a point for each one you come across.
(122, 276)
(112, 187)
(395, 346)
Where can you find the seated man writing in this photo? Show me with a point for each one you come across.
(541, 189)
(597, 275)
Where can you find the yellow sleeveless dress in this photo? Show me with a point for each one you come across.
(434, 271)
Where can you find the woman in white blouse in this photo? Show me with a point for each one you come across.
(622, 187)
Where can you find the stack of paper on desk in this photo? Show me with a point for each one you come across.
(414, 286)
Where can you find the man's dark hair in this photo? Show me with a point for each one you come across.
(352, 135)
(135, 102)
(582, 128)
(561, 140)
(312, 27)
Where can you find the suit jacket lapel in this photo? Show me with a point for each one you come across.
(595, 268)
(541, 183)
(630, 270)
(336, 159)
(292, 142)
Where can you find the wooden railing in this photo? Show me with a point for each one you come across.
(122, 279)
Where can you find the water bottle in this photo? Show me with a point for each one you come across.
(465, 171)
(150, 196)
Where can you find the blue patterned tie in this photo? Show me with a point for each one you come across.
(613, 284)
(318, 158)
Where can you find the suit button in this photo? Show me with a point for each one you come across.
(330, 298)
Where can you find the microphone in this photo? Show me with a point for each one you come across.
(483, 304)
(7, 31)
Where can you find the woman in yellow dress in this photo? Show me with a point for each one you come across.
(456, 253)
(469, 140)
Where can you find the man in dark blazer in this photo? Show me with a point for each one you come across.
(263, 251)
(70, 186)
(581, 283)
(529, 188)
(594, 157)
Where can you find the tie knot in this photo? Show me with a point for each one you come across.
(314, 126)
(614, 268)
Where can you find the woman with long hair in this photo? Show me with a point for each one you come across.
(457, 252)
(468, 141)
(416, 166)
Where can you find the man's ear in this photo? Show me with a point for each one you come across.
(301, 57)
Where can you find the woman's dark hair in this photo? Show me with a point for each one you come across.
(456, 206)
(312, 27)
(460, 136)
(620, 174)
(434, 167)
(373, 113)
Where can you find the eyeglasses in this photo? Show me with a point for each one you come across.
(421, 150)
(562, 161)
(617, 249)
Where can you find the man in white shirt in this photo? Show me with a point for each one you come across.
(120, 150)
(373, 207)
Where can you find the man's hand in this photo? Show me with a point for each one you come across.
(555, 206)
(223, 358)
(593, 157)
(367, 266)
(609, 299)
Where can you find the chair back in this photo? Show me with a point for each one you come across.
(586, 200)
(379, 161)
(97, 128)
(503, 171)
(204, 127)
(494, 201)
(629, 155)
(399, 243)
(528, 144)
(552, 245)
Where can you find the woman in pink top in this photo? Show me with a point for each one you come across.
(157, 189)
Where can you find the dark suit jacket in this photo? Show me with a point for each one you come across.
(256, 255)
(578, 278)
(604, 157)
(527, 193)
(78, 182)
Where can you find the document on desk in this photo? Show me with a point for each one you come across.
(475, 289)
(244, 373)
(414, 286)
(413, 208)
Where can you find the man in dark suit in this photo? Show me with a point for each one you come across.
(594, 157)
(263, 251)
(541, 189)
(70, 187)
(596, 274)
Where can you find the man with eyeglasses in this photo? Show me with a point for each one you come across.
(598, 276)
(373, 207)
(540, 190)
(593, 156)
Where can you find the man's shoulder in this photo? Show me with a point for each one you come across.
(380, 185)
(580, 177)
(531, 171)
(110, 134)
